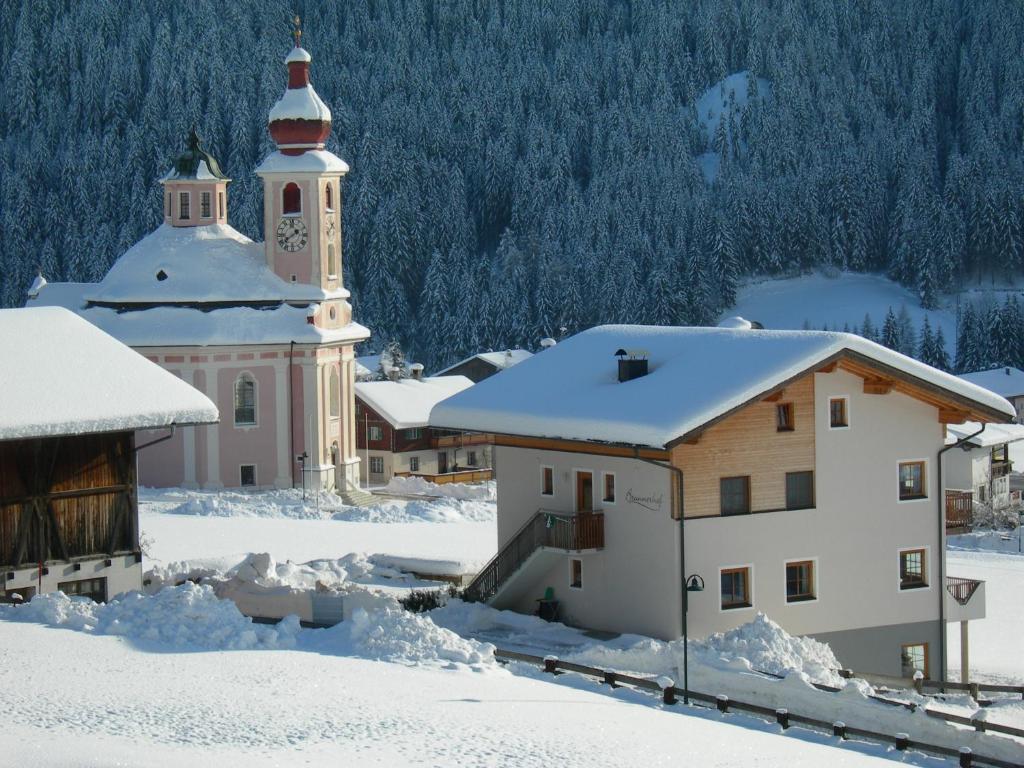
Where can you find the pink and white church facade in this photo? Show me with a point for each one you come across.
(264, 330)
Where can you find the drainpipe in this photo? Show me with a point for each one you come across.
(942, 549)
(291, 411)
(166, 437)
(684, 602)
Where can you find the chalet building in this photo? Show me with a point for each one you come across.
(1008, 382)
(264, 329)
(793, 473)
(485, 364)
(394, 435)
(980, 471)
(69, 515)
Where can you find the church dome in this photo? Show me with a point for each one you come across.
(299, 120)
(195, 163)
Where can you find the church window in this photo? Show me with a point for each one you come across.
(334, 393)
(330, 197)
(332, 261)
(167, 212)
(245, 401)
(220, 202)
(291, 199)
(184, 205)
(205, 208)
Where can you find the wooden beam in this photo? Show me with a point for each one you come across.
(579, 446)
(827, 368)
(952, 416)
(877, 386)
(774, 397)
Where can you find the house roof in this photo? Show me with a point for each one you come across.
(208, 264)
(1008, 382)
(994, 434)
(407, 403)
(697, 375)
(63, 376)
(499, 360)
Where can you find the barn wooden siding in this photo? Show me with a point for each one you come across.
(63, 498)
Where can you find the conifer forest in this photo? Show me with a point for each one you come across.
(530, 168)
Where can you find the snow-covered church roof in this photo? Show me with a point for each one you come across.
(212, 263)
(61, 375)
(696, 375)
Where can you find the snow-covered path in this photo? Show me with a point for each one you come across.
(132, 706)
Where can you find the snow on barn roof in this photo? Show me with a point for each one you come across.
(213, 263)
(1008, 382)
(499, 360)
(407, 403)
(63, 376)
(696, 375)
(994, 434)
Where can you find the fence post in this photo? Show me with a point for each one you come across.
(722, 702)
(966, 757)
(975, 692)
(668, 689)
(839, 729)
(979, 725)
(782, 717)
(609, 678)
(902, 741)
(551, 664)
(919, 682)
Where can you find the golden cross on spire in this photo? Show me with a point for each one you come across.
(297, 32)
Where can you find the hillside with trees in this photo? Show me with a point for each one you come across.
(522, 167)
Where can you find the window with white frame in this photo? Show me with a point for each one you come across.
(838, 413)
(414, 433)
(414, 463)
(205, 205)
(375, 432)
(245, 401)
(736, 588)
(800, 581)
(376, 465)
(471, 458)
(913, 568)
(184, 205)
(912, 481)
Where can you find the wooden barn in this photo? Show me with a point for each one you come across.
(71, 400)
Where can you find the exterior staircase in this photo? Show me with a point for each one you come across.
(357, 497)
(545, 531)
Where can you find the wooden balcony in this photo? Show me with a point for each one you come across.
(459, 476)
(965, 599)
(959, 510)
(1001, 469)
(462, 441)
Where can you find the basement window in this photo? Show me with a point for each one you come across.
(247, 474)
(94, 589)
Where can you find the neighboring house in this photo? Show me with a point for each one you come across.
(803, 464)
(1008, 382)
(393, 433)
(264, 329)
(486, 364)
(69, 516)
(982, 466)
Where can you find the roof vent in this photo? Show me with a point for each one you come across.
(416, 371)
(161, 275)
(632, 363)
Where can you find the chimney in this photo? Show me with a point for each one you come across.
(416, 371)
(632, 363)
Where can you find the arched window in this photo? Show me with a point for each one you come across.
(291, 198)
(330, 197)
(332, 260)
(245, 400)
(334, 393)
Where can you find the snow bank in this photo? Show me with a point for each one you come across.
(465, 491)
(188, 617)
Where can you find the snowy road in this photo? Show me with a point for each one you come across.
(256, 708)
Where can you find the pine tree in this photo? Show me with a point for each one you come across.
(890, 331)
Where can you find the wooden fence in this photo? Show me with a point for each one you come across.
(670, 693)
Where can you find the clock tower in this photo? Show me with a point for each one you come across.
(302, 192)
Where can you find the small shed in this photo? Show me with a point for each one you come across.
(71, 400)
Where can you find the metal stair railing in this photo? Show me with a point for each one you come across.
(555, 530)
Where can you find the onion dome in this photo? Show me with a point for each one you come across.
(195, 163)
(300, 120)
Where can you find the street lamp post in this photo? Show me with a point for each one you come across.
(694, 583)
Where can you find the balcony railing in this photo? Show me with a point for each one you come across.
(959, 509)
(1001, 468)
(962, 590)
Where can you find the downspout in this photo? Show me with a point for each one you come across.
(677, 489)
(165, 438)
(942, 548)
(291, 410)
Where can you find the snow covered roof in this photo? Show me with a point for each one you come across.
(61, 375)
(1008, 382)
(310, 161)
(300, 104)
(298, 54)
(407, 403)
(994, 434)
(213, 263)
(366, 367)
(499, 360)
(195, 163)
(696, 376)
(37, 285)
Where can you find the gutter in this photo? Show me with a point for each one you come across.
(165, 438)
(942, 548)
(291, 411)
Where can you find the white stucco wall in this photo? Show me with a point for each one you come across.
(122, 575)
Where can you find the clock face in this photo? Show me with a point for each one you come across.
(291, 234)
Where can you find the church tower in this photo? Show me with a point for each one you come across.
(302, 192)
(195, 189)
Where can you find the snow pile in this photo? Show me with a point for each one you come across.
(418, 486)
(393, 634)
(287, 504)
(416, 511)
(189, 616)
(767, 647)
